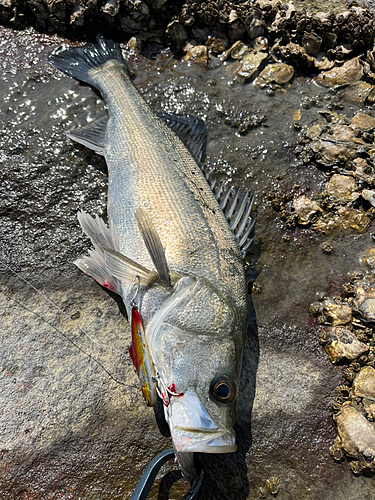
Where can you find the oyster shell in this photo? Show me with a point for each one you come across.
(337, 313)
(364, 383)
(342, 187)
(250, 63)
(344, 345)
(197, 54)
(369, 195)
(357, 434)
(305, 209)
(311, 42)
(347, 74)
(278, 73)
(364, 302)
(355, 220)
(362, 121)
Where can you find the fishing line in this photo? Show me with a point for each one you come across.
(48, 300)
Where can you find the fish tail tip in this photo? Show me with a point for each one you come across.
(77, 62)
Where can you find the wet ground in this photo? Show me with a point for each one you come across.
(73, 422)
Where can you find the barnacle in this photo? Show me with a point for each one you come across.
(336, 450)
(273, 485)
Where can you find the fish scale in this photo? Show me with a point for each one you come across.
(140, 170)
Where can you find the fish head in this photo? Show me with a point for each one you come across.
(196, 342)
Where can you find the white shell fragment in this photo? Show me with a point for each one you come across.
(357, 434)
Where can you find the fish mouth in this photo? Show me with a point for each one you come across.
(193, 430)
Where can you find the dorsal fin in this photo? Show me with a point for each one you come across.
(237, 208)
(92, 135)
(153, 244)
(191, 131)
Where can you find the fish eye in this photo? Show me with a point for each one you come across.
(223, 389)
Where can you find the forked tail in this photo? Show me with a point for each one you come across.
(78, 61)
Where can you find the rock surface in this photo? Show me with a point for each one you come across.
(72, 418)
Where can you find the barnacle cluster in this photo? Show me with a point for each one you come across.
(344, 148)
(349, 336)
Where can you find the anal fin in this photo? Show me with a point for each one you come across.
(92, 135)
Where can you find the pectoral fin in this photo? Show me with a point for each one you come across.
(94, 264)
(153, 244)
(126, 269)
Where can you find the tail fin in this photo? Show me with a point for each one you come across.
(77, 61)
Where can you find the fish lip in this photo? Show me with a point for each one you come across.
(193, 430)
(187, 440)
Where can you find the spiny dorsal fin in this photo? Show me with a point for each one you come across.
(92, 135)
(153, 244)
(237, 208)
(126, 269)
(191, 131)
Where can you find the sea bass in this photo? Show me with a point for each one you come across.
(174, 251)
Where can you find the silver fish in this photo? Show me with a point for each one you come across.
(174, 252)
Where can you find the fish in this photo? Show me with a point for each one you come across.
(174, 250)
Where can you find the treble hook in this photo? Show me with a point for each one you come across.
(147, 479)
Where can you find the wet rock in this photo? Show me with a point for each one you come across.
(279, 73)
(344, 345)
(311, 42)
(347, 74)
(364, 383)
(357, 434)
(305, 208)
(250, 63)
(344, 188)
